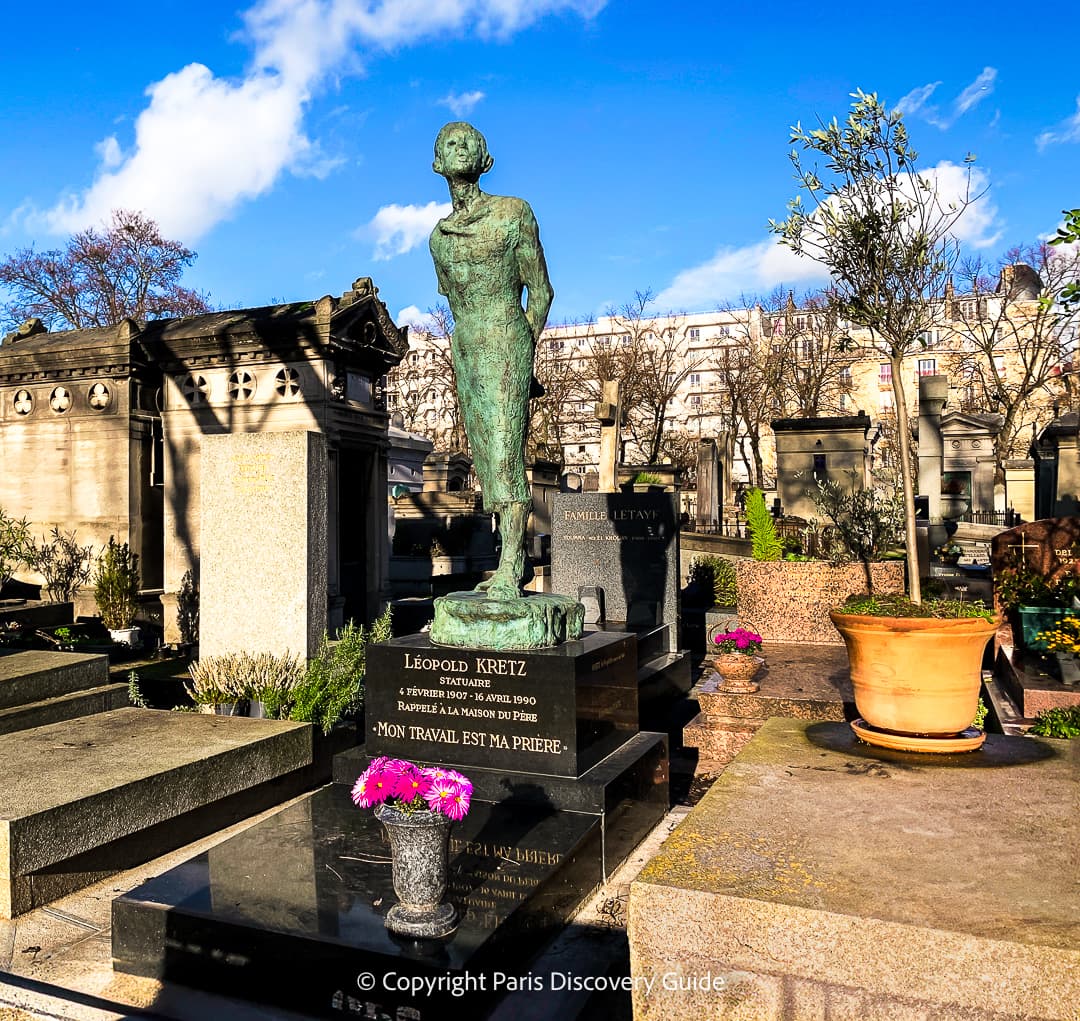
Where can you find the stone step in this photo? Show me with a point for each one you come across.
(718, 745)
(27, 677)
(64, 707)
(88, 796)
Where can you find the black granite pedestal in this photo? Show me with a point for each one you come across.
(555, 711)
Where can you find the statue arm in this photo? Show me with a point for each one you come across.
(444, 287)
(534, 273)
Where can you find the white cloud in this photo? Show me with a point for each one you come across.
(108, 150)
(399, 229)
(915, 103)
(758, 268)
(205, 144)
(916, 99)
(421, 322)
(1067, 130)
(734, 272)
(461, 105)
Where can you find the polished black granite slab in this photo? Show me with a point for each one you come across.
(291, 910)
(555, 711)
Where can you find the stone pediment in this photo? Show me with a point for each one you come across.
(958, 425)
(355, 330)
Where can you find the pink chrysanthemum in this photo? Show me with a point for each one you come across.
(458, 805)
(411, 784)
(440, 795)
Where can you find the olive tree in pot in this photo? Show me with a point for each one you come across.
(116, 591)
(886, 233)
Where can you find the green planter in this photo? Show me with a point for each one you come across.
(1034, 619)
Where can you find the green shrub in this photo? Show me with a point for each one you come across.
(63, 563)
(16, 546)
(116, 585)
(1062, 722)
(333, 687)
(716, 575)
(647, 479)
(765, 543)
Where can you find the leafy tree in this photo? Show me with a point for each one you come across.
(885, 235)
(125, 269)
(1069, 235)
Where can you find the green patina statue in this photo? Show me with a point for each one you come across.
(486, 253)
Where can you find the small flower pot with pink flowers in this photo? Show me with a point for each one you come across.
(736, 661)
(417, 805)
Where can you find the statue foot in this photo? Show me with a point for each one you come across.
(500, 586)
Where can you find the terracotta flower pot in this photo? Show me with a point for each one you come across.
(916, 676)
(737, 670)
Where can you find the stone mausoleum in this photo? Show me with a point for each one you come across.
(101, 429)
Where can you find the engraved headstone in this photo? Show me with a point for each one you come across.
(264, 558)
(1050, 547)
(625, 543)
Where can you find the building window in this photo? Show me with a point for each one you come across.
(999, 365)
(845, 376)
(694, 333)
(695, 400)
(625, 340)
(695, 379)
(845, 400)
(927, 366)
(555, 345)
(885, 372)
(886, 402)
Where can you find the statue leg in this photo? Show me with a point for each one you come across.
(505, 583)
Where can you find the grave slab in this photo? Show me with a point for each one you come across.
(73, 788)
(823, 878)
(310, 886)
(32, 676)
(1027, 679)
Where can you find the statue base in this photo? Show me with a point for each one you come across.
(474, 620)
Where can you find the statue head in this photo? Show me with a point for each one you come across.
(461, 151)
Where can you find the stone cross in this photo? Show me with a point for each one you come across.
(609, 412)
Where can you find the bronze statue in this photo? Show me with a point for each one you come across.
(486, 253)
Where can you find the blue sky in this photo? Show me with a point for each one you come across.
(290, 142)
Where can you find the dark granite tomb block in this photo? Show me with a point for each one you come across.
(550, 711)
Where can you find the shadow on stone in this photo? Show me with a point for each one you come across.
(997, 752)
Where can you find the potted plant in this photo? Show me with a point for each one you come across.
(243, 683)
(1031, 602)
(417, 806)
(116, 591)
(736, 660)
(916, 669)
(1063, 640)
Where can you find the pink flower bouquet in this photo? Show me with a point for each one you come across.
(747, 643)
(409, 788)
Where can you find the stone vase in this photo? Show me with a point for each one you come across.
(419, 852)
(737, 671)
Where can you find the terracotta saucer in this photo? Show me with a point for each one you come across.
(966, 741)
